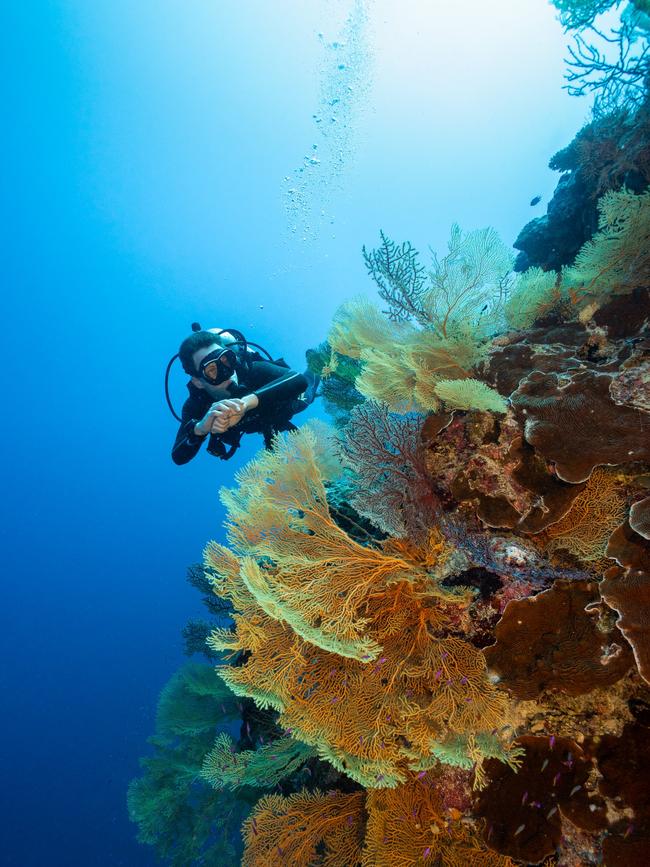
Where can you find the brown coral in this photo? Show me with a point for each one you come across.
(573, 422)
(624, 765)
(523, 809)
(640, 517)
(628, 592)
(550, 641)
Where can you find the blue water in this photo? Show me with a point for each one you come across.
(146, 151)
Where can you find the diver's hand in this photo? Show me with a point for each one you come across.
(221, 416)
(228, 413)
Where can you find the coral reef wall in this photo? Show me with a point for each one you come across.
(431, 620)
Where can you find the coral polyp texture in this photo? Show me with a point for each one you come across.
(432, 618)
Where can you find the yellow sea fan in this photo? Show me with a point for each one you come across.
(359, 324)
(387, 379)
(470, 394)
(617, 259)
(533, 295)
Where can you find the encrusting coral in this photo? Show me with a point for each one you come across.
(581, 655)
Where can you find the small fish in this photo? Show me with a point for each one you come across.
(550, 812)
(556, 778)
(524, 798)
(349, 820)
(544, 764)
(519, 830)
(281, 851)
(254, 824)
(628, 830)
(360, 739)
(438, 674)
(574, 790)
(551, 741)
(422, 774)
(463, 680)
(248, 729)
(426, 852)
(535, 201)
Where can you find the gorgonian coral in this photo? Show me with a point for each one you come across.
(391, 484)
(594, 515)
(176, 812)
(438, 327)
(533, 295)
(305, 828)
(462, 292)
(617, 259)
(347, 642)
(262, 767)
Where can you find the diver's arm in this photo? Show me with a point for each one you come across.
(271, 383)
(188, 442)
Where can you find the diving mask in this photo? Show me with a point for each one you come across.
(218, 366)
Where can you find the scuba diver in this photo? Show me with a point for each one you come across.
(234, 390)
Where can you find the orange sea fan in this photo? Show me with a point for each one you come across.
(347, 642)
(305, 828)
(313, 576)
(594, 515)
(409, 826)
(370, 719)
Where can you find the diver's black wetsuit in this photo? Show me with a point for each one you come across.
(277, 389)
